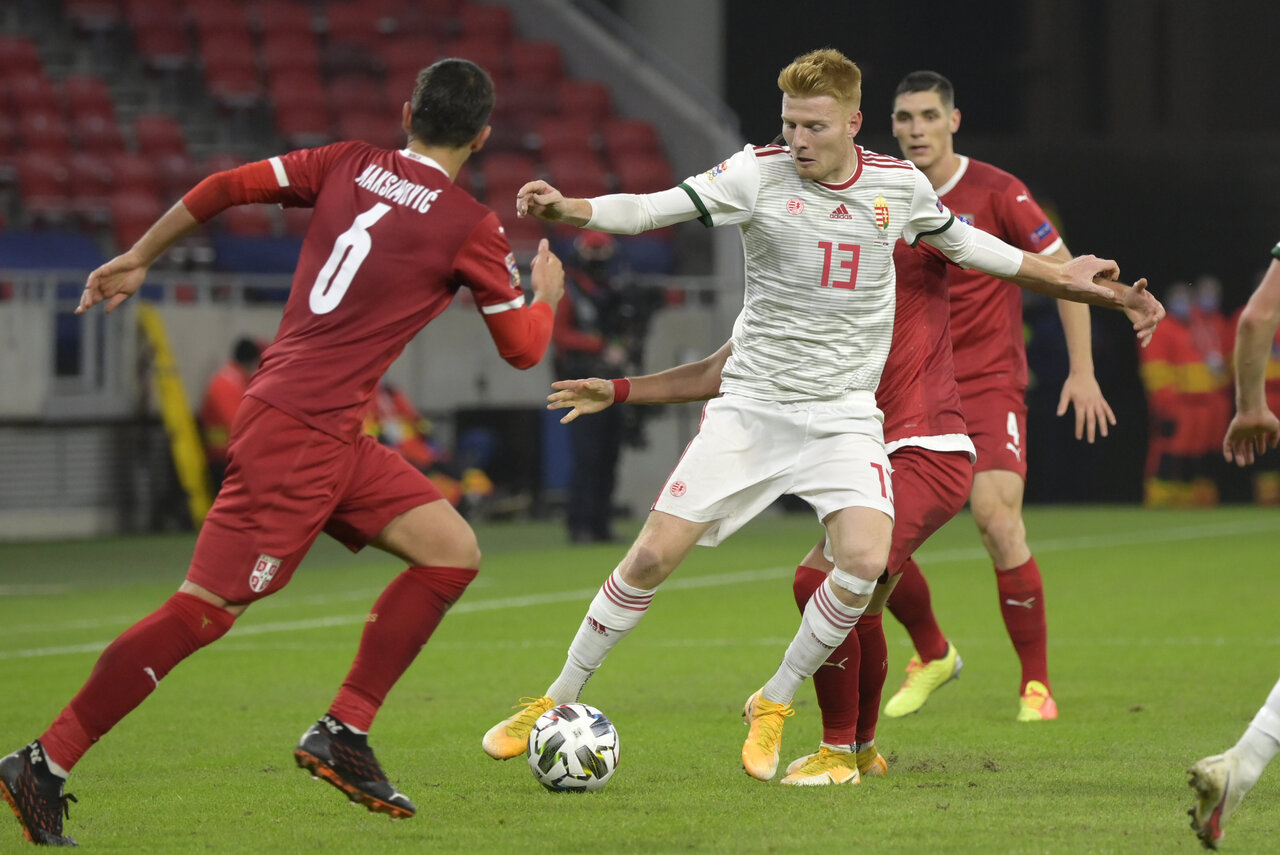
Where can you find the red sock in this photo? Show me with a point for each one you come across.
(130, 669)
(872, 671)
(402, 620)
(836, 680)
(1022, 605)
(912, 605)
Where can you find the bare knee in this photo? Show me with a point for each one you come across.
(645, 566)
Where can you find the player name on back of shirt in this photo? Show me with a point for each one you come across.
(393, 188)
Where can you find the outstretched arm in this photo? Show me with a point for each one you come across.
(617, 213)
(1255, 429)
(1080, 391)
(693, 381)
(121, 277)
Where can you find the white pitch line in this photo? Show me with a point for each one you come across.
(584, 595)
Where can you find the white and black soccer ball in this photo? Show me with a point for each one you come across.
(573, 747)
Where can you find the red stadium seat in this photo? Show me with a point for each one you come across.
(489, 55)
(33, 91)
(218, 18)
(134, 173)
(163, 48)
(87, 94)
(288, 49)
(643, 173)
(628, 137)
(577, 176)
(359, 92)
(437, 19)
(42, 187)
(357, 23)
(507, 168)
(233, 83)
(177, 173)
(588, 99)
(93, 16)
(132, 213)
(379, 128)
(44, 130)
(566, 133)
(302, 126)
(277, 17)
(487, 22)
(221, 161)
(90, 183)
(298, 89)
(247, 221)
(98, 133)
(536, 62)
(19, 55)
(158, 135)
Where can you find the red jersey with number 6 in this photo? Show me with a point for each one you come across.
(986, 312)
(390, 243)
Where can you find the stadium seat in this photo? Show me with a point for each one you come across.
(90, 183)
(488, 54)
(347, 22)
(86, 94)
(177, 173)
(232, 80)
(247, 221)
(163, 48)
(96, 132)
(437, 19)
(588, 99)
(302, 126)
(32, 91)
(134, 173)
(93, 16)
(643, 173)
(488, 22)
(402, 58)
(507, 168)
(158, 135)
(526, 103)
(9, 142)
(19, 55)
(132, 213)
(44, 130)
(277, 17)
(380, 128)
(221, 161)
(576, 175)
(42, 188)
(218, 18)
(566, 133)
(359, 92)
(297, 87)
(536, 62)
(290, 49)
(627, 137)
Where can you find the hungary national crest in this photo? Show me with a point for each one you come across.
(881, 207)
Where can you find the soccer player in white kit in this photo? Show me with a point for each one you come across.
(1222, 780)
(797, 414)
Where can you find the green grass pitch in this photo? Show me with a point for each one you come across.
(1164, 641)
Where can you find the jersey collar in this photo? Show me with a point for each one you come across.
(423, 159)
(845, 185)
(954, 179)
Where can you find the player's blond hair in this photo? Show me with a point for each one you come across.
(823, 72)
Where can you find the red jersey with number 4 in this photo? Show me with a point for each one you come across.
(986, 312)
(390, 243)
(917, 390)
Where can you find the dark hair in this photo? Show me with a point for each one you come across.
(451, 103)
(246, 351)
(929, 81)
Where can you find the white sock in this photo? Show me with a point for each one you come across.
(614, 612)
(1261, 741)
(825, 625)
(54, 767)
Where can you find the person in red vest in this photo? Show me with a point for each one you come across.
(221, 400)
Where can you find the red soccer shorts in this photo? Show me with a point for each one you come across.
(929, 488)
(997, 422)
(286, 482)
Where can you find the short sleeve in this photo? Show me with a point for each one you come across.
(725, 194)
(1024, 222)
(301, 173)
(487, 266)
(928, 215)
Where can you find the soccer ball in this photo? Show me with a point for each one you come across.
(573, 747)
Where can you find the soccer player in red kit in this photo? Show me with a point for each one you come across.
(991, 368)
(391, 241)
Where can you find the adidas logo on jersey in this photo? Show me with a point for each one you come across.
(841, 213)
